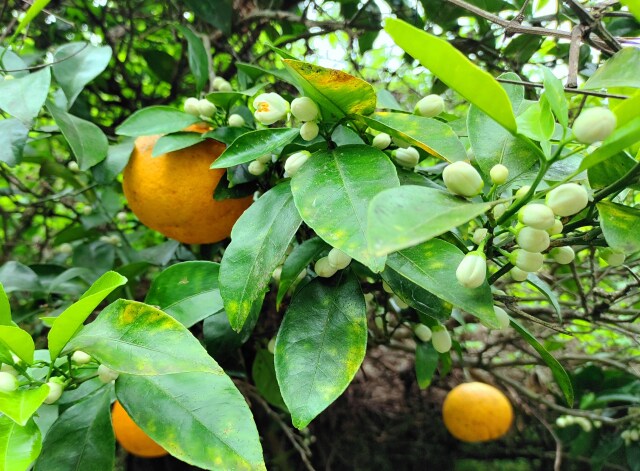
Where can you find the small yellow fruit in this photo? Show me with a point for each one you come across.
(131, 437)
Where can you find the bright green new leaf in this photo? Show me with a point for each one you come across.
(156, 120)
(254, 144)
(455, 70)
(198, 59)
(135, 338)
(259, 240)
(554, 93)
(432, 266)
(188, 291)
(426, 363)
(13, 137)
(5, 308)
(320, 345)
(301, 256)
(332, 191)
(177, 141)
(621, 226)
(263, 373)
(21, 404)
(19, 446)
(34, 9)
(627, 110)
(623, 137)
(198, 417)
(337, 93)
(18, 341)
(23, 97)
(431, 135)
(536, 121)
(622, 70)
(406, 216)
(72, 318)
(633, 6)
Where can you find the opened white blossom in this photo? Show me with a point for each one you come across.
(499, 174)
(408, 157)
(537, 215)
(472, 270)
(440, 339)
(533, 240)
(191, 106)
(462, 179)
(236, 121)
(562, 255)
(206, 108)
(338, 259)
(304, 109)
(527, 261)
(430, 106)
(270, 107)
(567, 199)
(295, 161)
(309, 131)
(423, 332)
(594, 124)
(381, 141)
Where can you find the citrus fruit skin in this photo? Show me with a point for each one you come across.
(131, 437)
(477, 412)
(173, 192)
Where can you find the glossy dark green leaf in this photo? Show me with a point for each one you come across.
(87, 141)
(611, 170)
(263, 373)
(21, 404)
(406, 216)
(177, 141)
(254, 144)
(24, 96)
(259, 240)
(432, 266)
(81, 438)
(198, 60)
(320, 345)
(116, 160)
(198, 417)
(13, 137)
(414, 295)
(5, 308)
(431, 135)
(19, 446)
(160, 63)
(219, 337)
(301, 256)
(156, 120)
(188, 291)
(554, 92)
(426, 363)
(622, 70)
(135, 338)
(621, 226)
(18, 341)
(18, 277)
(562, 378)
(623, 137)
(332, 191)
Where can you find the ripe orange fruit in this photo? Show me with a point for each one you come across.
(477, 412)
(131, 437)
(173, 192)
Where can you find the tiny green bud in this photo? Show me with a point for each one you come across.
(594, 124)
(323, 268)
(225, 87)
(217, 82)
(265, 159)
(87, 210)
(430, 106)
(479, 235)
(499, 174)
(502, 317)
(614, 258)
(522, 191)
(462, 179)
(73, 166)
(121, 216)
(106, 374)
(65, 248)
(563, 255)
(271, 346)
(80, 358)
(499, 209)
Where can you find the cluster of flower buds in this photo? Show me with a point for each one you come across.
(336, 260)
(259, 166)
(221, 85)
(305, 109)
(584, 423)
(631, 435)
(203, 108)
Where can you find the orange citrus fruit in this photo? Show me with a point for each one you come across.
(131, 437)
(173, 192)
(477, 412)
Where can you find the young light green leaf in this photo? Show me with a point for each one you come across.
(24, 96)
(156, 120)
(198, 60)
(320, 345)
(621, 226)
(332, 192)
(627, 110)
(301, 256)
(21, 404)
(623, 137)
(18, 341)
(399, 218)
(554, 92)
(622, 70)
(426, 363)
(13, 137)
(431, 135)
(72, 318)
(5, 308)
(19, 446)
(34, 9)
(259, 240)
(536, 121)
(188, 291)
(254, 144)
(455, 70)
(198, 417)
(177, 141)
(263, 373)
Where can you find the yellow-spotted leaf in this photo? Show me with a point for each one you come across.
(21, 404)
(455, 70)
(320, 345)
(19, 445)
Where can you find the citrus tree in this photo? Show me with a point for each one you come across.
(242, 231)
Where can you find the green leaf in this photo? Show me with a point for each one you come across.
(135, 338)
(198, 60)
(5, 308)
(332, 191)
(415, 296)
(455, 70)
(18, 341)
(187, 291)
(301, 256)
(259, 240)
(622, 70)
(87, 141)
(18, 277)
(224, 100)
(161, 64)
(560, 375)
(535, 281)
(176, 141)
(254, 144)
(117, 159)
(198, 417)
(634, 8)
(220, 338)
(337, 93)
(263, 373)
(627, 110)
(34, 9)
(320, 345)
(156, 120)
(218, 13)
(77, 64)
(23, 97)
(621, 226)
(72, 318)
(21, 404)
(426, 363)
(19, 446)
(431, 135)
(536, 121)
(13, 137)
(623, 137)
(432, 266)
(554, 93)
(397, 217)
(82, 437)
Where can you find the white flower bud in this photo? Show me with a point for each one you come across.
(106, 374)
(9, 77)
(584, 423)
(80, 358)
(309, 131)
(563, 255)
(499, 209)
(87, 210)
(594, 124)
(518, 275)
(295, 161)
(561, 422)
(567, 199)
(379, 323)
(527, 261)
(323, 268)
(502, 316)
(217, 82)
(338, 259)
(236, 121)
(271, 346)
(73, 166)
(613, 258)
(462, 179)
(121, 216)
(206, 108)
(408, 157)
(304, 109)
(440, 339)
(400, 304)
(265, 159)
(256, 168)
(479, 235)
(270, 107)
(533, 240)
(225, 86)
(634, 435)
(191, 106)
(472, 270)
(9, 369)
(423, 332)
(556, 228)
(65, 249)
(536, 215)
(386, 288)
(430, 106)
(55, 391)
(277, 273)
(522, 191)
(8, 382)
(381, 141)
(499, 174)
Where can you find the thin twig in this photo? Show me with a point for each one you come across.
(568, 90)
